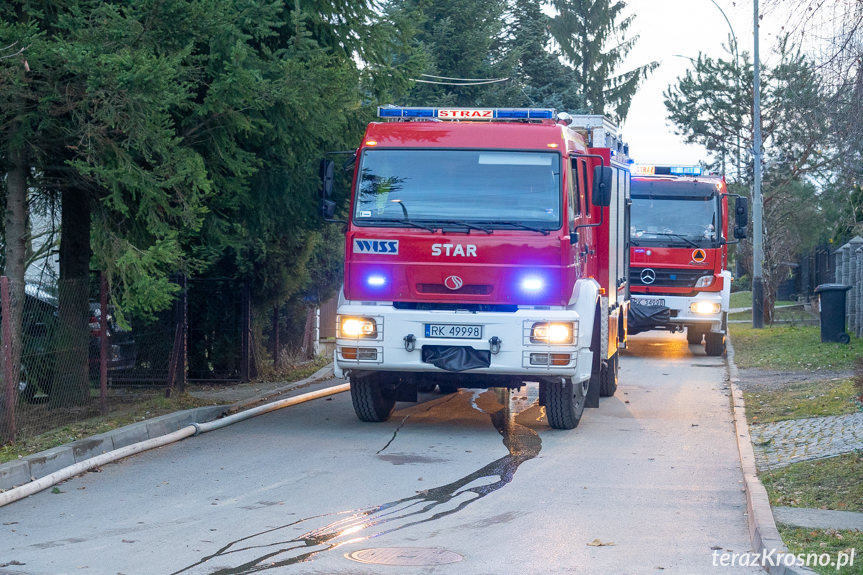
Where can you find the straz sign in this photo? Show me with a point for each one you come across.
(389, 247)
(462, 114)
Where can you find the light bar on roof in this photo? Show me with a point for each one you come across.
(467, 113)
(651, 170)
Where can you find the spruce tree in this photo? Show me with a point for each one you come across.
(591, 34)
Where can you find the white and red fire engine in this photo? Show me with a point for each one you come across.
(679, 253)
(484, 248)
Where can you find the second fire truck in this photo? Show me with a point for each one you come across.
(679, 255)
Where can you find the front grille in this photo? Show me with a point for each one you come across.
(477, 289)
(668, 277)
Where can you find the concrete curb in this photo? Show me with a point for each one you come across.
(763, 533)
(38, 465)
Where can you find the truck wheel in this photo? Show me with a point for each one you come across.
(371, 401)
(714, 343)
(694, 335)
(608, 377)
(564, 402)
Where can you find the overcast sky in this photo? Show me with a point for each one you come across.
(671, 32)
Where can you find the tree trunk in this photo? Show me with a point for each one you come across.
(71, 381)
(15, 221)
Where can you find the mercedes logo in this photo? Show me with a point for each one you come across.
(648, 276)
(453, 282)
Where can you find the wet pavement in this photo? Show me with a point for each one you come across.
(468, 483)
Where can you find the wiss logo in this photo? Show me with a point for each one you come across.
(376, 246)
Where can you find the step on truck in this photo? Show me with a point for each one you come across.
(679, 253)
(484, 248)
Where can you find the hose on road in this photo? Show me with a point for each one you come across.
(192, 429)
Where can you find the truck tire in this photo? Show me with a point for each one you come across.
(564, 402)
(608, 376)
(714, 343)
(447, 388)
(371, 401)
(694, 335)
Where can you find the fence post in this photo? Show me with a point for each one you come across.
(179, 350)
(854, 244)
(103, 342)
(246, 326)
(859, 289)
(276, 346)
(8, 430)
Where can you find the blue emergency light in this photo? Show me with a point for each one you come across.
(651, 170)
(467, 113)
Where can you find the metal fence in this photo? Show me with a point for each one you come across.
(848, 264)
(76, 364)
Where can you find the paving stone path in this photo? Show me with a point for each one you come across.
(785, 442)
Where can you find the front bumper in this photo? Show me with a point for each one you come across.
(681, 312)
(400, 338)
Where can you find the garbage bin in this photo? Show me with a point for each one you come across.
(833, 312)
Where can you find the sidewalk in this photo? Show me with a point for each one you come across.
(782, 443)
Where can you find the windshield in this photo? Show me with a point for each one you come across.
(497, 189)
(672, 220)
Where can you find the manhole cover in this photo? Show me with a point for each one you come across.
(404, 556)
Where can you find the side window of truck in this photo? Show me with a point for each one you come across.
(572, 188)
(583, 193)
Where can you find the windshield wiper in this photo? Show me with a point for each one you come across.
(441, 223)
(673, 235)
(407, 222)
(520, 226)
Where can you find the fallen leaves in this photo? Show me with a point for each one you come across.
(599, 543)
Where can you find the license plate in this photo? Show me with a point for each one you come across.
(453, 331)
(651, 301)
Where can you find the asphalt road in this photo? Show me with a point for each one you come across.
(470, 483)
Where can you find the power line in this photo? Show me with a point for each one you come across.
(463, 83)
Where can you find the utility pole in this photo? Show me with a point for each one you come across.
(757, 239)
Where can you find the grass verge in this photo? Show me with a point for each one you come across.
(837, 396)
(127, 408)
(822, 547)
(832, 483)
(791, 348)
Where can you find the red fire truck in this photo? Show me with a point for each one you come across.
(484, 248)
(679, 253)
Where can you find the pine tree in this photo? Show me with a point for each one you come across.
(591, 34)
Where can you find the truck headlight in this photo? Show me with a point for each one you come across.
(704, 307)
(354, 327)
(704, 281)
(553, 332)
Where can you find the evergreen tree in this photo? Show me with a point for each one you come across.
(707, 106)
(542, 79)
(591, 35)
(462, 43)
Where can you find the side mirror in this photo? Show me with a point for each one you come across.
(741, 217)
(328, 207)
(327, 178)
(601, 194)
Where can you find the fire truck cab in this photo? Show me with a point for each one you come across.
(484, 248)
(679, 253)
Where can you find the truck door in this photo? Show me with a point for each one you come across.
(578, 214)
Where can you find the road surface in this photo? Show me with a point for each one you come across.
(469, 483)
